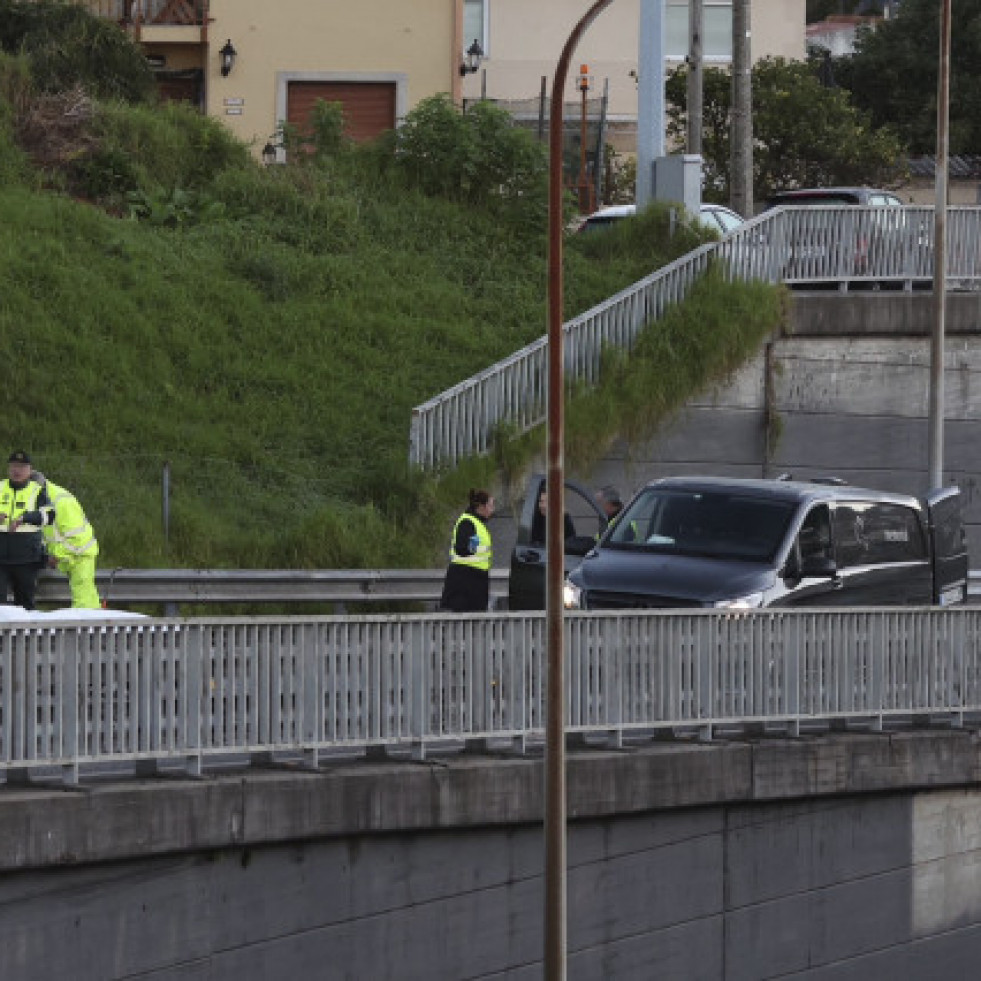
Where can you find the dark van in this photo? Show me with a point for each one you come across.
(686, 542)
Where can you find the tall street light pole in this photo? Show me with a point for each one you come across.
(936, 410)
(555, 804)
(741, 168)
(650, 96)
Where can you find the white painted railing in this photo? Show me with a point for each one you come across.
(844, 246)
(461, 421)
(83, 694)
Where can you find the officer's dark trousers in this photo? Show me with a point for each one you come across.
(22, 581)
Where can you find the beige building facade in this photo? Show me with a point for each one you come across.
(381, 57)
(523, 41)
(377, 57)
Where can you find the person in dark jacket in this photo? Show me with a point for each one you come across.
(466, 588)
(538, 521)
(22, 554)
(609, 500)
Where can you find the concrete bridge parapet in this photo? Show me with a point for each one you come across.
(841, 853)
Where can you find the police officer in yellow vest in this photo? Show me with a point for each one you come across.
(466, 588)
(22, 553)
(70, 540)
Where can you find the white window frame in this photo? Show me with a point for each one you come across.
(710, 59)
(484, 38)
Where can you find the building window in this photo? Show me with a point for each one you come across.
(475, 25)
(716, 30)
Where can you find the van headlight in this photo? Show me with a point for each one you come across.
(571, 596)
(750, 601)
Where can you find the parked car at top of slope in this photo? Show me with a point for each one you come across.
(719, 218)
(731, 543)
(716, 217)
(878, 247)
(835, 197)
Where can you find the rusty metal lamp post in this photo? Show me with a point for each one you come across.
(936, 391)
(555, 803)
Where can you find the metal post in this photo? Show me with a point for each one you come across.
(936, 409)
(600, 154)
(165, 501)
(555, 804)
(741, 170)
(583, 183)
(542, 97)
(695, 76)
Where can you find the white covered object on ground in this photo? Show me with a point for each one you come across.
(17, 614)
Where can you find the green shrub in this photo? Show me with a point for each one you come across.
(67, 46)
(324, 138)
(477, 157)
(15, 94)
(169, 146)
(178, 207)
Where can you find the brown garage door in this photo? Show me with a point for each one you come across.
(369, 107)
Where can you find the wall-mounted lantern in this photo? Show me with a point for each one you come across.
(471, 62)
(227, 54)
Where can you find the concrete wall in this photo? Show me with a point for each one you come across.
(844, 857)
(847, 396)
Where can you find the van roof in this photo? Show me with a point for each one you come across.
(787, 490)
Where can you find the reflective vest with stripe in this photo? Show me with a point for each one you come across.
(14, 504)
(66, 529)
(482, 557)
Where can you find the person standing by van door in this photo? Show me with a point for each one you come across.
(609, 500)
(466, 588)
(21, 548)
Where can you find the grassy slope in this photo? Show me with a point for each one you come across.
(272, 358)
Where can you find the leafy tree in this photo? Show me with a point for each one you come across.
(893, 74)
(473, 157)
(805, 134)
(68, 46)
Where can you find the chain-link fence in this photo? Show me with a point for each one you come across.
(583, 138)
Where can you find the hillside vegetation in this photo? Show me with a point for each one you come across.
(265, 332)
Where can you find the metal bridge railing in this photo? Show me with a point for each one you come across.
(173, 587)
(78, 694)
(795, 245)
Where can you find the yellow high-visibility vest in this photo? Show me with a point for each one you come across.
(484, 554)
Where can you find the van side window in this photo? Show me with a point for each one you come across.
(873, 534)
(895, 534)
(814, 540)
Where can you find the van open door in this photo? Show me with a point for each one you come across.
(526, 585)
(948, 546)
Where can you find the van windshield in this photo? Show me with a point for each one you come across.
(720, 524)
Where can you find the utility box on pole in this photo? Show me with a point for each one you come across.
(679, 178)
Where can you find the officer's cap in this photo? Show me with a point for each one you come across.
(18, 456)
